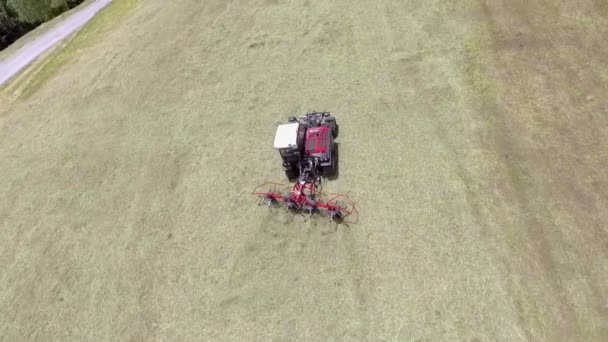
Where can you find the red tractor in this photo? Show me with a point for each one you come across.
(307, 147)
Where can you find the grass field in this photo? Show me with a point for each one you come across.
(472, 135)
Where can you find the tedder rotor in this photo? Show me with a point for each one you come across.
(306, 145)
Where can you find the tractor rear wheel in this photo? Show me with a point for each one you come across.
(291, 174)
(330, 170)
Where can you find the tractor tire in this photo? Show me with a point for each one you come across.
(330, 170)
(291, 174)
(335, 131)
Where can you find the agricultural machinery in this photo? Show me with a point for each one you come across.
(307, 148)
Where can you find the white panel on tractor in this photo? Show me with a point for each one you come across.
(287, 136)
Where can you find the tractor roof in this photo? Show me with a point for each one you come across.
(286, 136)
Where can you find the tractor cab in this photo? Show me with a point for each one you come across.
(289, 141)
(286, 137)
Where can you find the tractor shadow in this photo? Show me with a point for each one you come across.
(336, 174)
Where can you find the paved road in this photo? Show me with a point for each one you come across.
(30, 51)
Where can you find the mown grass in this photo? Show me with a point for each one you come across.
(515, 125)
(84, 38)
(475, 70)
(127, 212)
(485, 91)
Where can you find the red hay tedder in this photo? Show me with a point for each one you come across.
(307, 147)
